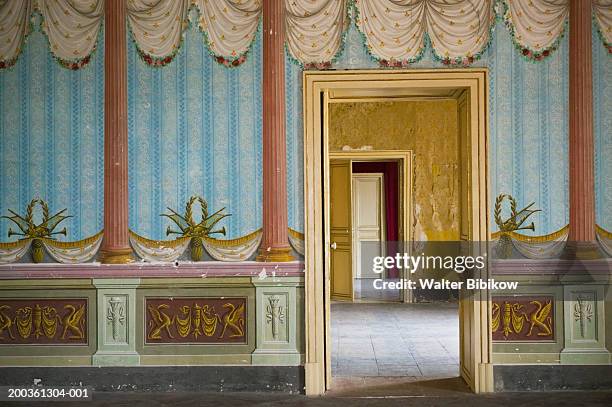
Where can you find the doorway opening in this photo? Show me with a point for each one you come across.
(370, 216)
(324, 88)
(379, 343)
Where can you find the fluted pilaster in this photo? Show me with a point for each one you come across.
(275, 246)
(116, 247)
(581, 153)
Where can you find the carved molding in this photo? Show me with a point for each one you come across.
(116, 319)
(275, 316)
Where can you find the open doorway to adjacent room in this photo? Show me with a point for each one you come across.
(370, 214)
(428, 131)
(374, 337)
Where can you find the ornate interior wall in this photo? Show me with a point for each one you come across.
(197, 120)
(602, 101)
(51, 137)
(528, 128)
(195, 127)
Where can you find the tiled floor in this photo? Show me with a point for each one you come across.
(394, 339)
(365, 291)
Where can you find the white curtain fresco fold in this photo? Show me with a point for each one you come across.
(74, 252)
(164, 251)
(395, 30)
(13, 252)
(72, 27)
(157, 28)
(229, 26)
(536, 25)
(315, 30)
(602, 13)
(14, 27)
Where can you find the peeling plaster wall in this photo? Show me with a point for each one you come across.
(430, 130)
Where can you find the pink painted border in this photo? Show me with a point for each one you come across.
(22, 271)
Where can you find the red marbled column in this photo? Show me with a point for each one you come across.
(116, 247)
(274, 246)
(581, 152)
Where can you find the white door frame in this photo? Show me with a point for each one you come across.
(319, 87)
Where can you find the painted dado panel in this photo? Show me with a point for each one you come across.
(56, 321)
(43, 322)
(195, 320)
(523, 318)
(152, 321)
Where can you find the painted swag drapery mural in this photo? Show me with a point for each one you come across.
(315, 29)
(395, 32)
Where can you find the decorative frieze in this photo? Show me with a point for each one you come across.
(195, 320)
(43, 321)
(523, 318)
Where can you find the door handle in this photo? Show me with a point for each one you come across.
(333, 246)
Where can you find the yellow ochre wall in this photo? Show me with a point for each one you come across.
(427, 127)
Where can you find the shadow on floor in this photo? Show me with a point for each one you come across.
(397, 386)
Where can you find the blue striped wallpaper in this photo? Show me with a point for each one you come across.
(295, 146)
(51, 138)
(602, 101)
(529, 130)
(195, 128)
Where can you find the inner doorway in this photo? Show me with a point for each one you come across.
(370, 216)
(474, 310)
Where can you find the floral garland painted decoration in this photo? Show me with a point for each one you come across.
(602, 15)
(71, 27)
(397, 34)
(315, 31)
(534, 36)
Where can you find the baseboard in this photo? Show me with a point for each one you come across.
(286, 379)
(552, 377)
